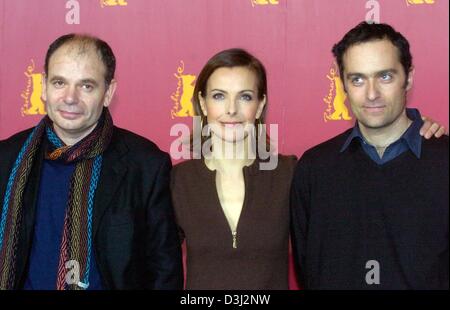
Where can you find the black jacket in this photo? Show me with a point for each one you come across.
(135, 239)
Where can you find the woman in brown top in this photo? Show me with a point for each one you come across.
(233, 211)
(233, 214)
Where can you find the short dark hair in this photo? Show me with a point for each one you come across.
(85, 41)
(366, 32)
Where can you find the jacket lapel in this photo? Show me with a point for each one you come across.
(114, 168)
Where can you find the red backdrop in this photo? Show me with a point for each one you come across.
(161, 45)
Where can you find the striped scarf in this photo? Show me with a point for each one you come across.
(76, 243)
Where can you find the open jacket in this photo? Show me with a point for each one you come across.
(135, 239)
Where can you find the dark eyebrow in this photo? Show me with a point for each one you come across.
(216, 89)
(352, 74)
(84, 81)
(378, 73)
(56, 77)
(242, 91)
(394, 71)
(89, 81)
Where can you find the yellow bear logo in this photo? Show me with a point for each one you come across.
(409, 2)
(186, 98)
(182, 97)
(335, 100)
(340, 109)
(104, 3)
(33, 104)
(264, 2)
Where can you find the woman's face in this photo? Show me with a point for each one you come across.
(231, 103)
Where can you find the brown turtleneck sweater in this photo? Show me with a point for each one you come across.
(260, 259)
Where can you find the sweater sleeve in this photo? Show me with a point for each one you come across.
(299, 208)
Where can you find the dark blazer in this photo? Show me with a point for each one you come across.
(135, 239)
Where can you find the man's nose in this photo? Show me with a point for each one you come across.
(372, 91)
(71, 96)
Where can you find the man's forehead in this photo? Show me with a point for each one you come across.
(77, 54)
(372, 55)
(77, 50)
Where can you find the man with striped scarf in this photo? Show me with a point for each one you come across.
(84, 204)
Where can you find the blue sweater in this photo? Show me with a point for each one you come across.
(48, 229)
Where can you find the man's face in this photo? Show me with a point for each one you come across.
(75, 91)
(375, 84)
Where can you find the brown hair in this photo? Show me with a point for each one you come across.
(234, 57)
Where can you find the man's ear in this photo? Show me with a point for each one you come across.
(44, 88)
(410, 78)
(110, 93)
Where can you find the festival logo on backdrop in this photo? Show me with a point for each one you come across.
(104, 3)
(182, 97)
(410, 2)
(264, 2)
(33, 104)
(336, 109)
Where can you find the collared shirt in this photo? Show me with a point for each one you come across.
(410, 140)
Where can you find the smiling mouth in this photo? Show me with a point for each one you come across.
(231, 124)
(69, 115)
